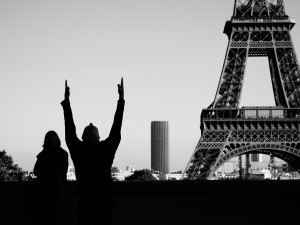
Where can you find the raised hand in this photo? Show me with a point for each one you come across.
(67, 90)
(121, 89)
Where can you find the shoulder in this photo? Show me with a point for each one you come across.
(63, 152)
(41, 154)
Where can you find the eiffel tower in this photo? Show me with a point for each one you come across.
(257, 28)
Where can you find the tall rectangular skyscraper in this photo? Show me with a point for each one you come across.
(160, 146)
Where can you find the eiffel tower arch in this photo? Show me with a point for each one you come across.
(257, 28)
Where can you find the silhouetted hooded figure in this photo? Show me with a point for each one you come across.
(52, 161)
(92, 160)
(51, 169)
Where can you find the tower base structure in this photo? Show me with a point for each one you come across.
(228, 133)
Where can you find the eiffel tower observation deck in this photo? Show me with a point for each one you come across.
(257, 28)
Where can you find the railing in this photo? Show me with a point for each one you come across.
(262, 19)
(270, 113)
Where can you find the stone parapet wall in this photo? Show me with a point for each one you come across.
(168, 203)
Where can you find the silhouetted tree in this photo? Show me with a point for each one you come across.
(10, 171)
(141, 175)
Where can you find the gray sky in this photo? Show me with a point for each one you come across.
(169, 52)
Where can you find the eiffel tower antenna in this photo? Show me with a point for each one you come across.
(257, 28)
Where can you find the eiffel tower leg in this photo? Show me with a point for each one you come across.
(278, 88)
(231, 80)
(207, 152)
(285, 70)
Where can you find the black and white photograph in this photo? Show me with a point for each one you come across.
(149, 112)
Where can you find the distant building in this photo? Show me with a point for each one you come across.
(130, 169)
(227, 167)
(71, 173)
(175, 176)
(265, 174)
(168, 176)
(160, 146)
(115, 169)
(120, 175)
(255, 157)
(30, 174)
(257, 162)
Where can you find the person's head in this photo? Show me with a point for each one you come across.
(90, 135)
(51, 140)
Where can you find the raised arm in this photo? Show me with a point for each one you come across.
(70, 129)
(115, 132)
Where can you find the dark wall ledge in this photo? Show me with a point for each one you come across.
(167, 203)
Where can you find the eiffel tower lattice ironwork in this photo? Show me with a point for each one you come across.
(257, 28)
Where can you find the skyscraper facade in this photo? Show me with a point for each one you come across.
(256, 157)
(160, 146)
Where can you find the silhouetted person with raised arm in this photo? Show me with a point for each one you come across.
(92, 160)
(50, 169)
